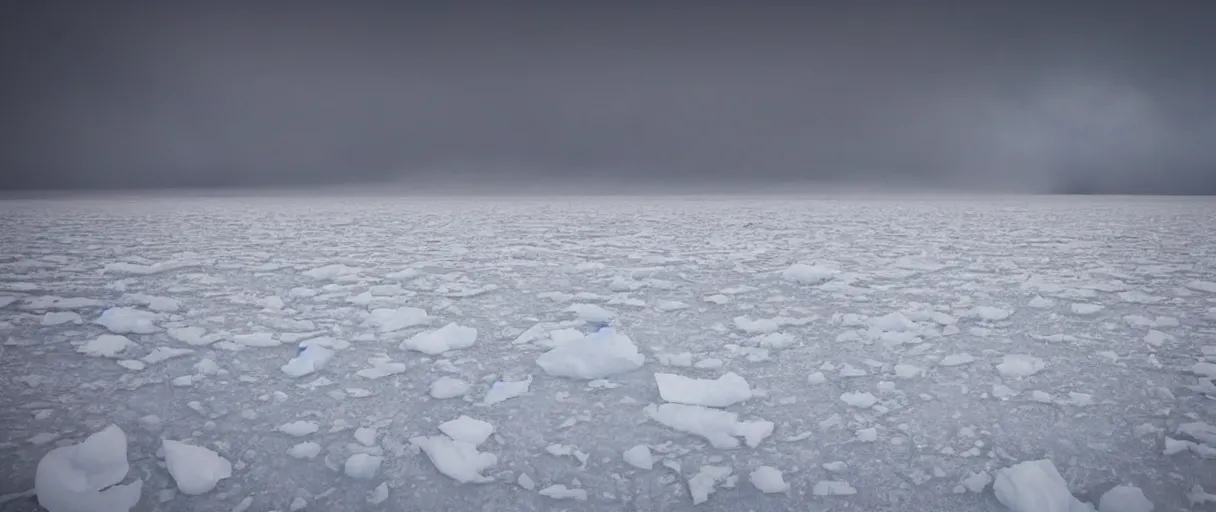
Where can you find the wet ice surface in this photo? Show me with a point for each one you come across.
(904, 351)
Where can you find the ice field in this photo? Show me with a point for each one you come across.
(653, 354)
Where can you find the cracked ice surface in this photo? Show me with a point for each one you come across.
(893, 351)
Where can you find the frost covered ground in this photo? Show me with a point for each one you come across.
(884, 354)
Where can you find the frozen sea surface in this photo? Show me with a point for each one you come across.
(896, 352)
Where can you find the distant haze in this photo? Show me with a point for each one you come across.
(1081, 96)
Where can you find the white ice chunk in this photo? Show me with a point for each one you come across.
(639, 457)
(705, 482)
(720, 428)
(1201, 431)
(161, 354)
(362, 466)
(1034, 486)
(1020, 365)
(449, 337)
(84, 477)
(197, 470)
(526, 482)
(990, 313)
(850, 371)
(123, 267)
(893, 322)
(561, 492)
(591, 313)
(257, 340)
(458, 460)
(206, 366)
(164, 304)
(1204, 369)
(729, 389)
(1156, 338)
(120, 320)
(190, 335)
(1086, 309)
(1040, 302)
(334, 271)
(299, 428)
(502, 391)
(682, 359)
(768, 480)
(1124, 498)
(132, 364)
(957, 359)
(448, 387)
(907, 371)
(106, 345)
(808, 274)
(379, 494)
(381, 367)
(833, 488)
(861, 400)
(775, 340)
(391, 320)
(671, 305)
(837, 466)
(366, 436)
(52, 318)
(308, 361)
(976, 482)
(469, 430)
(405, 273)
(305, 450)
(559, 337)
(599, 355)
(1202, 286)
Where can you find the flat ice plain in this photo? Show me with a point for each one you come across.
(897, 352)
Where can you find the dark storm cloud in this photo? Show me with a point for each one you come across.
(1086, 96)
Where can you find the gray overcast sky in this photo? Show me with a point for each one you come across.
(1107, 96)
